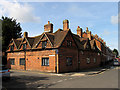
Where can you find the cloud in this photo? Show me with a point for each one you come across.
(22, 12)
(115, 19)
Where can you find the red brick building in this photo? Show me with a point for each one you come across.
(61, 51)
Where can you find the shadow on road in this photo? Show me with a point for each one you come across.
(22, 82)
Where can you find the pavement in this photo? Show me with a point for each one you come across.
(80, 73)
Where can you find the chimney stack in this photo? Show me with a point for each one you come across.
(48, 27)
(79, 31)
(86, 29)
(25, 34)
(65, 24)
(88, 33)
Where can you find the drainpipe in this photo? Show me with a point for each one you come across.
(57, 62)
(25, 58)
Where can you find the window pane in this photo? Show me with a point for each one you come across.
(69, 61)
(88, 60)
(24, 46)
(22, 61)
(12, 61)
(44, 43)
(69, 43)
(45, 61)
(12, 48)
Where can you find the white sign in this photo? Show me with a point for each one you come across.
(51, 55)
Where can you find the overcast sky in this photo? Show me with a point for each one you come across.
(100, 17)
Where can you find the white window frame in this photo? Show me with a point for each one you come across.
(88, 60)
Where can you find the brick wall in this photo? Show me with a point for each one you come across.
(63, 54)
(89, 54)
(33, 60)
(68, 51)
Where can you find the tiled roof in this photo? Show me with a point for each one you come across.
(56, 39)
(59, 37)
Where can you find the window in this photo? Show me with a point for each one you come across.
(69, 43)
(87, 46)
(81, 52)
(12, 48)
(12, 61)
(44, 43)
(69, 61)
(22, 61)
(94, 60)
(45, 61)
(24, 46)
(88, 60)
(98, 53)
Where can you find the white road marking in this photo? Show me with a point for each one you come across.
(71, 78)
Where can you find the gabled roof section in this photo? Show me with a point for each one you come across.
(25, 38)
(17, 42)
(85, 42)
(49, 36)
(30, 40)
(36, 40)
(77, 40)
(13, 40)
(59, 37)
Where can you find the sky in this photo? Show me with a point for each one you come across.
(100, 17)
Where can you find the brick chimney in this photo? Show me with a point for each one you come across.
(88, 33)
(79, 31)
(96, 36)
(104, 43)
(48, 27)
(87, 29)
(65, 24)
(25, 34)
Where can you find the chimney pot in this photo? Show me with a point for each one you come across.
(79, 31)
(86, 28)
(48, 22)
(48, 27)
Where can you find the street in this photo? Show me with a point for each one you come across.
(27, 79)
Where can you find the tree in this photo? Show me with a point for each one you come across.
(10, 29)
(115, 51)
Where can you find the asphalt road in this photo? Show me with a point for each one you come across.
(21, 79)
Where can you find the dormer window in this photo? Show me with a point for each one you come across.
(69, 43)
(88, 60)
(12, 48)
(24, 46)
(44, 43)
